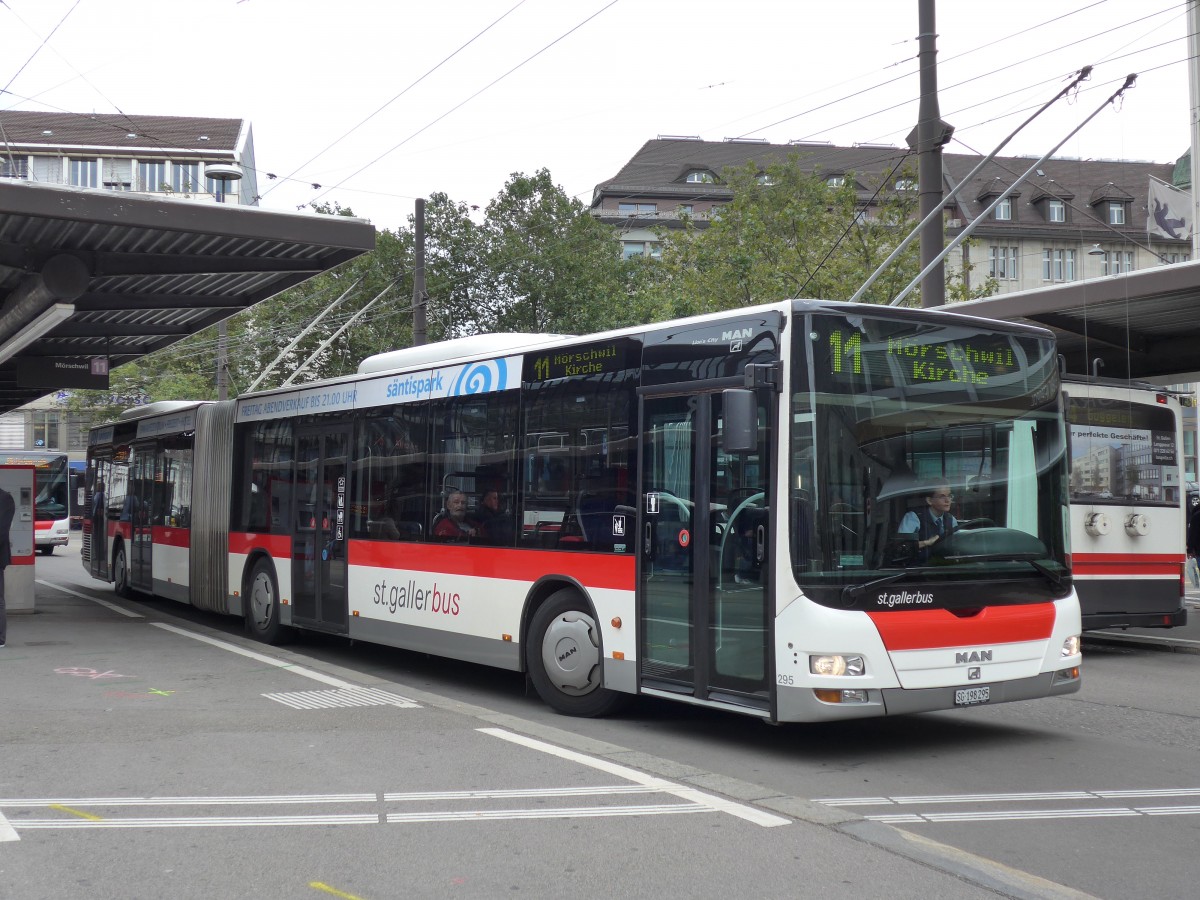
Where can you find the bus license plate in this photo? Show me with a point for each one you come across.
(971, 696)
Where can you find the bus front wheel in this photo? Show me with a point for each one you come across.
(563, 658)
(262, 606)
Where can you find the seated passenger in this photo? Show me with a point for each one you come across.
(932, 523)
(452, 522)
(494, 522)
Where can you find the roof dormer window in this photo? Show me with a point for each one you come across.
(700, 176)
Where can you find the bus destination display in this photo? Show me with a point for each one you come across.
(572, 362)
(919, 359)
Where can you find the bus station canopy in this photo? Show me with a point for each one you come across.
(1143, 325)
(93, 274)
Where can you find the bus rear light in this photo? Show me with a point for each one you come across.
(1071, 646)
(834, 664)
(827, 696)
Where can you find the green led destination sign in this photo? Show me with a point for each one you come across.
(573, 362)
(931, 358)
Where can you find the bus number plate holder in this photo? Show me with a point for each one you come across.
(972, 696)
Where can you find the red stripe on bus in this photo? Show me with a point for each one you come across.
(1126, 563)
(171, 536)
(23, 560)
(595, 570)
(278, 545)
(921, 629)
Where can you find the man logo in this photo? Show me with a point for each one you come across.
(975, 656)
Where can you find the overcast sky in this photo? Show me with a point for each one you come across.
(461, 93)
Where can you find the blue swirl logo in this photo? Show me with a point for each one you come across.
(481, 378)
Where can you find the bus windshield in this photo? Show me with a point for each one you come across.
(929, 449)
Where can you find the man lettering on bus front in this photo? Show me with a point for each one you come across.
(932, 523)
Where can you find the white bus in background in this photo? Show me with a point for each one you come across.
(1127, 503)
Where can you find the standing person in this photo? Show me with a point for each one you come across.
(8, 509)
(931, 524)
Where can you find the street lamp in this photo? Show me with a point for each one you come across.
(222, 174)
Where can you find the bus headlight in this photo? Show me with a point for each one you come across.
(1070, 646)
(837, 665)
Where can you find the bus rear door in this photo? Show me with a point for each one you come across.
(705, 555)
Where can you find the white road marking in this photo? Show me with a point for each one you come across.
(1007, 798)
(1008, 815)
(577, 812)
(718, 804)
(1032, 814)
(105, 603)
(260, 657)
(95, 804)
(7, 832)
(342, 698)
(199, 822)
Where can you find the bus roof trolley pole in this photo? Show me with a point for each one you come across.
(966, 232)
(1083, 75)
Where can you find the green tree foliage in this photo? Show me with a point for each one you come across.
(551, 267)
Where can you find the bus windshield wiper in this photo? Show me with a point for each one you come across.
(1045, 571)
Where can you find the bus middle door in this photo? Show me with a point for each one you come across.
(704, 559)
(139, 503)
(322, 494)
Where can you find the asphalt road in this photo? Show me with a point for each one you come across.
(477, 788)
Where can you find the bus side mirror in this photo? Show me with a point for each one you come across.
(739, 433)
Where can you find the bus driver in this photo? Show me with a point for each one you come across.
(932, 523)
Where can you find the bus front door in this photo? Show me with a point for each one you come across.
(319, 529)
(705, 554)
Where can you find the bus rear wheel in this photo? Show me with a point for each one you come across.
(563, 658)
(120, 569)
(262, 606)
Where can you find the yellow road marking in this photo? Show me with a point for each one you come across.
(320, 886)
(76, 812)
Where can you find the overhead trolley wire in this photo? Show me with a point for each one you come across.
(458, 106)
(398, 96)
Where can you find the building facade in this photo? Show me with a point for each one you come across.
(189, 159)
(192, 159)
(1072, 219)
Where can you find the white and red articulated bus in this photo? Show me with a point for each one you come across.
(712, 510)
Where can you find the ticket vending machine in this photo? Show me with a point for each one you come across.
(18, 483)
